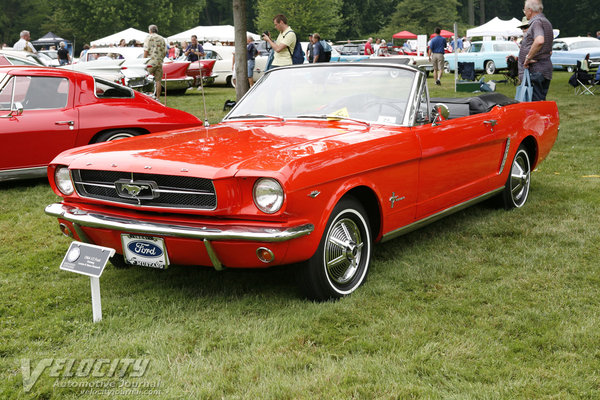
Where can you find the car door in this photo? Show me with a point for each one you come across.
(458, 159)
(47, 125)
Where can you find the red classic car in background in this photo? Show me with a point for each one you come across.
(44, 111)
(315, 164)
(204, 69)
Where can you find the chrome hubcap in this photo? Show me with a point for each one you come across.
(343, 251)
(519, 179)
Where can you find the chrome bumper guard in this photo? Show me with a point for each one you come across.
(206, 233)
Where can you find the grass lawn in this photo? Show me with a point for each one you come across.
(485, 304)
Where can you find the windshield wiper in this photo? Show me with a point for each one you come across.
(258, 116)
(333, 116)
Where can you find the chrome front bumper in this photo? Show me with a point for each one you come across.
(81, 218)
(207, 232)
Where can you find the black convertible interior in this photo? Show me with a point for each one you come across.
(464, 106)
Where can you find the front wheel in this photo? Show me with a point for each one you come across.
(490, 68)
(341, 262)
(516, 189)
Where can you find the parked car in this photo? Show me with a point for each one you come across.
(129, 61)
(567, 51)
(134, 67)
(223, 67)
(51, 57)
(19, 57)
(488, 56)
(314, 164)
(44, 111)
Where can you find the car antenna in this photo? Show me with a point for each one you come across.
(206, 124)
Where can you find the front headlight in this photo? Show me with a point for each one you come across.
(268, 195)
(62, 177)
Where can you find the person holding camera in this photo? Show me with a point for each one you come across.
(285, 43)
(194, 50)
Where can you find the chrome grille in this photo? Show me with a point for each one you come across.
(172, 192)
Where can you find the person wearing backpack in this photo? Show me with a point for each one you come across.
(285, 43)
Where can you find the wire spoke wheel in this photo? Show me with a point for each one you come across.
(343, 251)
(516, 190)
(341, 262)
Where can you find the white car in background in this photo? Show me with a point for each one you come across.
(20, 57)
(224, 64)
(106, 61)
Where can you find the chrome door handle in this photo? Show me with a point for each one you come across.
(491, 123)
(70, 123)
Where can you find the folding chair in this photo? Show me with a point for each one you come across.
(583, 82)
(466, 70)
(512, 70)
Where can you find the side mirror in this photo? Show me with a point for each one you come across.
(440, 113)
(16, 109)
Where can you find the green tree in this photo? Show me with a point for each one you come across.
(91, 19)
(18, 15)
(422, 17)
(304, 16)
(363, 18)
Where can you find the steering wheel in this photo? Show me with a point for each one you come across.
(381, 103)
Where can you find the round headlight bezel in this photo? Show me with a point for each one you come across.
(268, 195)
(64, 183)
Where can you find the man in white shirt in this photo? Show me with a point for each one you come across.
(24, 43)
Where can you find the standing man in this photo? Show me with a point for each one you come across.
(64, 57)
(317, 48)
(251, 53)
(194, 50)
(436, 49)
(155, 48)
(369, 47)
(24, 44)
(309, 49)
(536, 48)
(285, 43)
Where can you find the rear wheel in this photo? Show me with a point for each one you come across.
(516, 189)
(341, 262)
(490, 67)
(116, 134)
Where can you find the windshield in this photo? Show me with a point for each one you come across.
(374, 94)
(585, 44)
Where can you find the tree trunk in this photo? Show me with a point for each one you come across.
(482, 12)
(471, 7)
(241, 71)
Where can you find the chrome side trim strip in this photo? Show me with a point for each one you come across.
(505, 156)
(432, 218)
(239, 232)
(23, 173)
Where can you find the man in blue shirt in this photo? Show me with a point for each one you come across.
(437, 47)
(194, 50)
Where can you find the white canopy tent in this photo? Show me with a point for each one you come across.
(220, 33)
(497, 27)
(127, 34)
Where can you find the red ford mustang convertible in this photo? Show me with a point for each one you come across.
(312, 166)
(44, 111)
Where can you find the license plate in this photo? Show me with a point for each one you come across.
(146, 251)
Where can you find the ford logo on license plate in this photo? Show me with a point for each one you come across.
(144, 249)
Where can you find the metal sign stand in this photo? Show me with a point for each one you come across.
(90, 260)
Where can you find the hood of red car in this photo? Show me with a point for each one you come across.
(223, 150)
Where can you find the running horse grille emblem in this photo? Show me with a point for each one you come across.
(139, 190)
